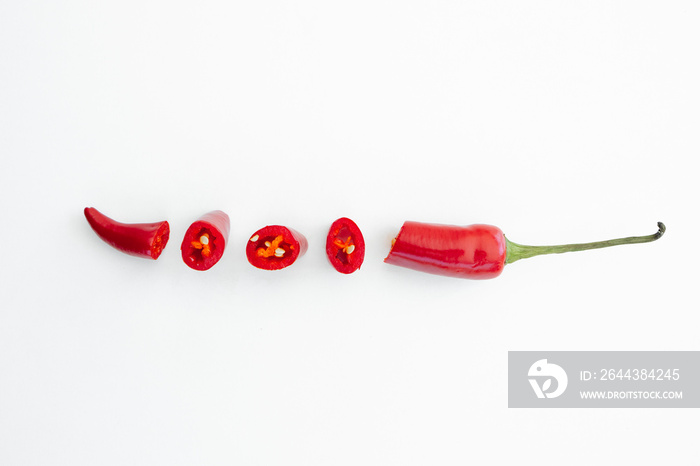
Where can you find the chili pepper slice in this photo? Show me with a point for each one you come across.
(136, 239)
(275, 247)
(476, 251)
(205, 240)
(345, 246)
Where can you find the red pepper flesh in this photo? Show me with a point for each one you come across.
(205, 240)
(136, 239)
(476, 251)
(275, 247)
(345, 246)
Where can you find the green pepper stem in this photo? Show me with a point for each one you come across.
(516, 251)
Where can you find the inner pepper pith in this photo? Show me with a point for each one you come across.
(273, 247)
(343, 241)
(204, 244)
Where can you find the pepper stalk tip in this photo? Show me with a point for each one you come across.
(662, 230)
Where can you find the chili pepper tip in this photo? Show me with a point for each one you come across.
(137, 239)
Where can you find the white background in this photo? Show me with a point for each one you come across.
(557, 121)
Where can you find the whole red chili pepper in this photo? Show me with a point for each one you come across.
(345, 246)
(205, 240)
(275, 247)
(476, 251)
(136, 239)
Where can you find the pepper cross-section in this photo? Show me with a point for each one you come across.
(275, 247)
(205, 240)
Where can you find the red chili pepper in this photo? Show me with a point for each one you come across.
(136, 239)
(275, 247)
(205, 240)
(476, 251)
(345, 246)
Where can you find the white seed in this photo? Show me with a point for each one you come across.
(255, 238)
(267, 244)
(350, 249)
(204, 239)
(279, 252)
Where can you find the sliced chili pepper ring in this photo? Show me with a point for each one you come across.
(136, 239)
(275, 247)
(205, 240)
(345, 246)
